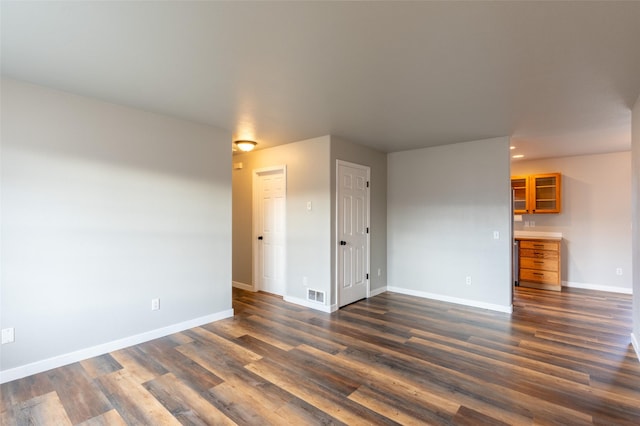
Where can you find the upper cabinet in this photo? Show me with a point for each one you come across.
(537, 194)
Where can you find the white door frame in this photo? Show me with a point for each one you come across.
(337, 228)
(255, 224)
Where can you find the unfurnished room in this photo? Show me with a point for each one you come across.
(323, 212)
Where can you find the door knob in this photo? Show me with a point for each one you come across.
(260, 237)
(343, 243)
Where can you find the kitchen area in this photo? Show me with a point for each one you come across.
(537, 256)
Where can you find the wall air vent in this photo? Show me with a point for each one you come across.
(315, 295)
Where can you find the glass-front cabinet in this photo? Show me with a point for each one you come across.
(520, 194)
(537, 194)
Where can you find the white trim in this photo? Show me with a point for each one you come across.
(82, 354)
(598, 287)
(337, 225)
(636, 345)
(243, 286)
(457, 300)
(309, 304)
(377, 291)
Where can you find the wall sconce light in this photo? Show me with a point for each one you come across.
(245, 145)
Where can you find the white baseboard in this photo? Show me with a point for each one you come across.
(598, 287)
(377, 291)
(82, 354)
(309, 304)
(636, 346)
(242, 286)
(459, 301)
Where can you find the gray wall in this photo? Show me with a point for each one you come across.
(311, 168)
(377, 161)
(308, 232)
(444, 203)
(635, 214)
(595, 219)
(104, 208)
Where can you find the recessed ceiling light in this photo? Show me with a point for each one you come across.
(518, 156)
(512, 147)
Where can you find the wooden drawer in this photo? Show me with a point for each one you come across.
(538, 254)
(539, 264)
(545, 277)
(539, 245)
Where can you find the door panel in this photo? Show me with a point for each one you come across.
(352, 222)
(269, 224)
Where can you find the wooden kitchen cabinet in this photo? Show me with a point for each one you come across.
(540, 263)
(537, 194)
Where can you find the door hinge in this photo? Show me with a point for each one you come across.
(367, 229)
(367, 276)
(367, 184)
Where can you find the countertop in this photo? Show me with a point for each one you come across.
(533, 235)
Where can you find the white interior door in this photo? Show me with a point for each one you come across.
(269, 194)
(352, 220)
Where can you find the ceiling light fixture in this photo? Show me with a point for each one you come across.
(518, 156)
(512, 147)
(245, 145)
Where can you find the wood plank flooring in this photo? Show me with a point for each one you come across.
(560, 358)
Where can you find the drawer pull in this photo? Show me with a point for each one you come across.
(538, 273)
(537, 262)
(539, 245)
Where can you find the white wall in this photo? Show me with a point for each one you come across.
(308, 232)
(104, 208)
(444, 203)
(635, 215)
(596, 217)
(377, 162)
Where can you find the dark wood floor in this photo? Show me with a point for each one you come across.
(561, 358)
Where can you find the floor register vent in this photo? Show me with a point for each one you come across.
(315, 295)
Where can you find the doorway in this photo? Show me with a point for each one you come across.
(352, 223)
(269, 226)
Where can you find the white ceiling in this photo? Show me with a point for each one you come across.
(559, 77)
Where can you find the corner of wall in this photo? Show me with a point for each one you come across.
(635, 214)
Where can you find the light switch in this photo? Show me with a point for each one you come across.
(8, 335)
(309, 206)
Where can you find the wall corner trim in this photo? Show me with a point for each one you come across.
(377, 291)
(450, 299)
(243, 286)
(636, 345)
(312, 305)
(597, 287)
(82, 354)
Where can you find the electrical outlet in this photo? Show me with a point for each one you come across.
(532, 223)
(526, 223)
(379, 271)
(468, 280)
(8, 335)
(155, 304)
(618, 271)
(496, 235)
